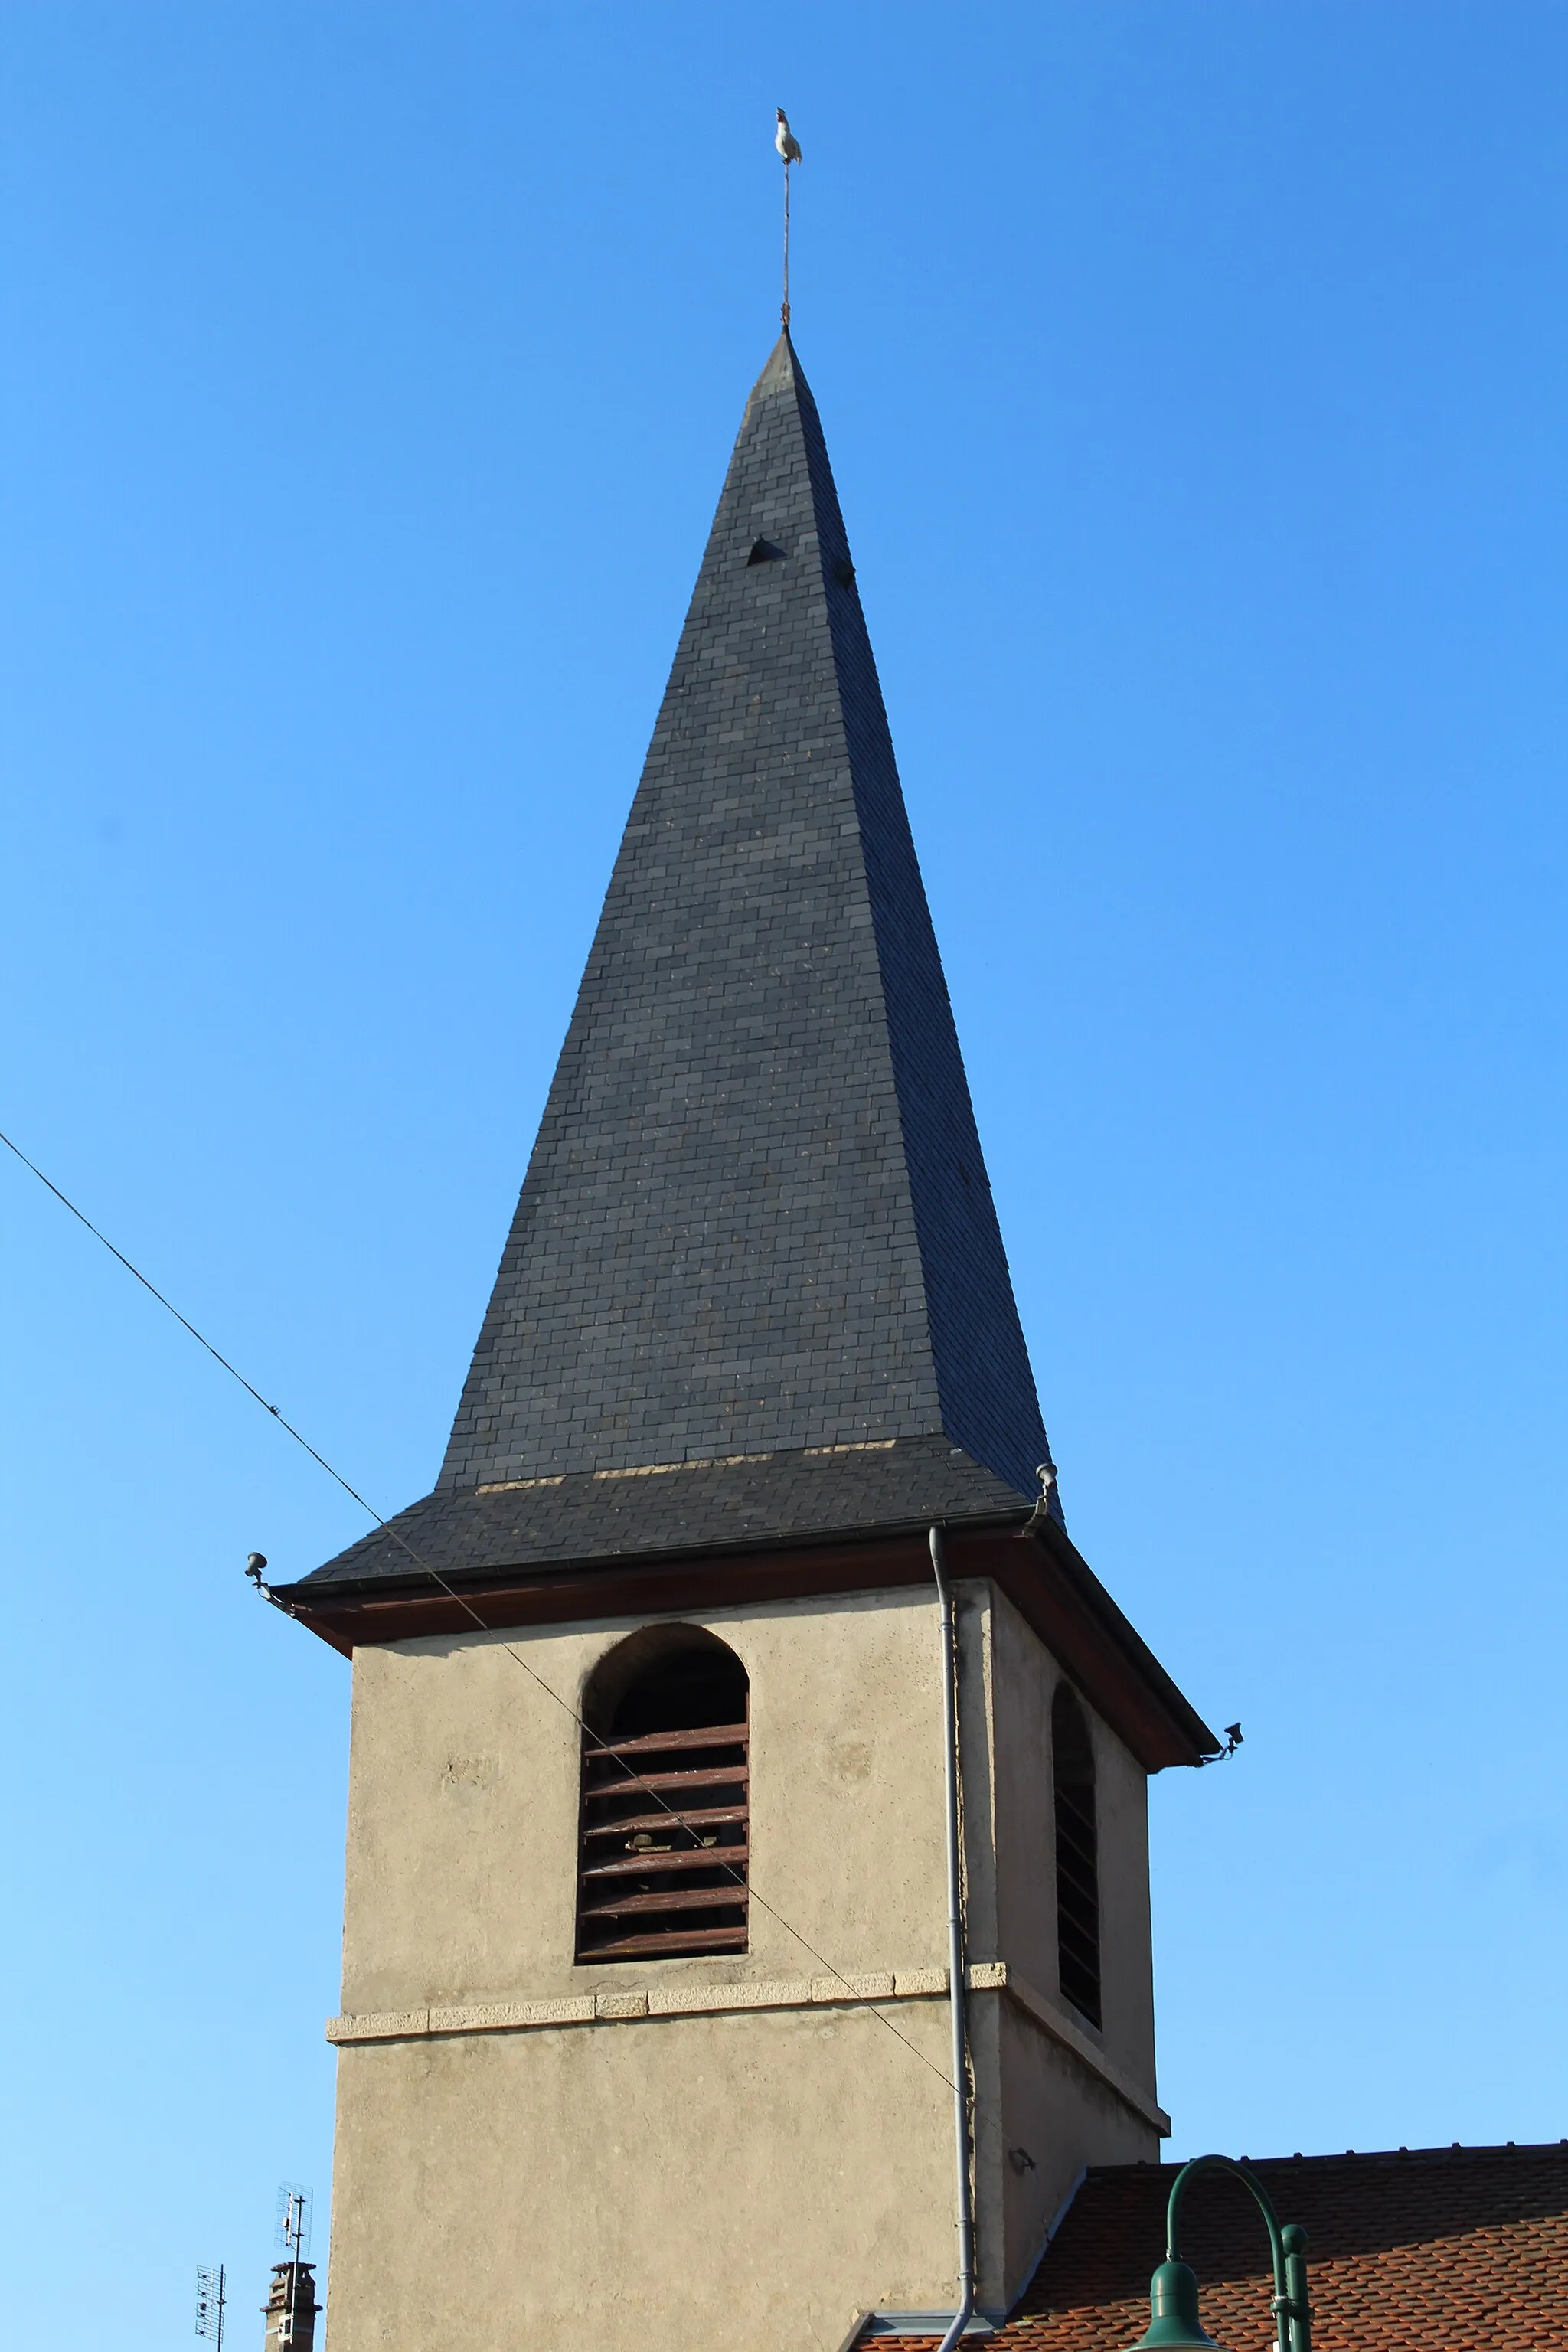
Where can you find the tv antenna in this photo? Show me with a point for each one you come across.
(293, 2221)
(212, 2295)
(294, 2238)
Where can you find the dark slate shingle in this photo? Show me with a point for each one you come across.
(624, 1514)
(757, 1214)
(756, 1219)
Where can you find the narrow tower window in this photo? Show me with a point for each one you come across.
(664, 1849)
(1077, 1855)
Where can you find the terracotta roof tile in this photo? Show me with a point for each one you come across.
(1430, 2250)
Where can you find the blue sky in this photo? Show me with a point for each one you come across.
(1194, 375)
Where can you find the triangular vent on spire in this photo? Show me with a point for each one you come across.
(765, 551)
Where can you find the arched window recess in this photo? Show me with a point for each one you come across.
(664, 1846)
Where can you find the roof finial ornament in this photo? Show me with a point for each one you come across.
(788, 146)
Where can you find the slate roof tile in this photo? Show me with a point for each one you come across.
(756, 1217)
(621, 1513)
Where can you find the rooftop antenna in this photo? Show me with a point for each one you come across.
(788, 146)
(293, 2235)
(293, 2219)
(212, 2296)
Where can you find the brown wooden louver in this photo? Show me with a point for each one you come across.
(1077, 1855)
(664, 1850)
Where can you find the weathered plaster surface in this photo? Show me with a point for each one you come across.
(636, 2154)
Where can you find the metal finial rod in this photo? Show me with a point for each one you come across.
(784, 308)
(788, 147)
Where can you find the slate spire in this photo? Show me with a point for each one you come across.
(756, 1221)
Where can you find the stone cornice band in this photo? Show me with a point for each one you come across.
(708, 2000)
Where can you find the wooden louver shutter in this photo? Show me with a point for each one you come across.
(664, 1849)
(1078, 1856)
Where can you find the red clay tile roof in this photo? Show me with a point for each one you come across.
(1437, 2249)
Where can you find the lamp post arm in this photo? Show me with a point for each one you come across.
(1291, 2313)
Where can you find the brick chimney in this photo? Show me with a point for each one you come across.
(291, 2308)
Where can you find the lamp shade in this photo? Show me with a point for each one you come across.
(1173, 2322)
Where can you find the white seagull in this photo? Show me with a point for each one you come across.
(786, 141)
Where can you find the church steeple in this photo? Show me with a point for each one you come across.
(646, 1948)
(757, 1217)
(756, 1230)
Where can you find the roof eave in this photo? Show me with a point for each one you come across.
(1037, 1566)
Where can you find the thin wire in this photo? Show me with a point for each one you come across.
(191, 1328)
(461, 1600)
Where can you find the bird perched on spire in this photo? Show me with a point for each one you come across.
(786, 141)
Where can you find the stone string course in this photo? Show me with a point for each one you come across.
(682, 2000)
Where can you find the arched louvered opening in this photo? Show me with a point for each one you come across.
(664, 1850)
(1077, 1855)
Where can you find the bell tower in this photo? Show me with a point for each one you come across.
(644, 2041)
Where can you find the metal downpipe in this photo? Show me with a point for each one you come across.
(955, 1972)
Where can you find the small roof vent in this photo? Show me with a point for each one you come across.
(765, 551)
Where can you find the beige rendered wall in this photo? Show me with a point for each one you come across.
(663, 2180)
(1024, 1678)
(461, 1875)
(1033, 2093)
(1045, 2099)
(673, 2185)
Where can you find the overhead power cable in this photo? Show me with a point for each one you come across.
(188, 1326)
(460, 1598)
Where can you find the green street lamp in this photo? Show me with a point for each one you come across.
(1173, 2323)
